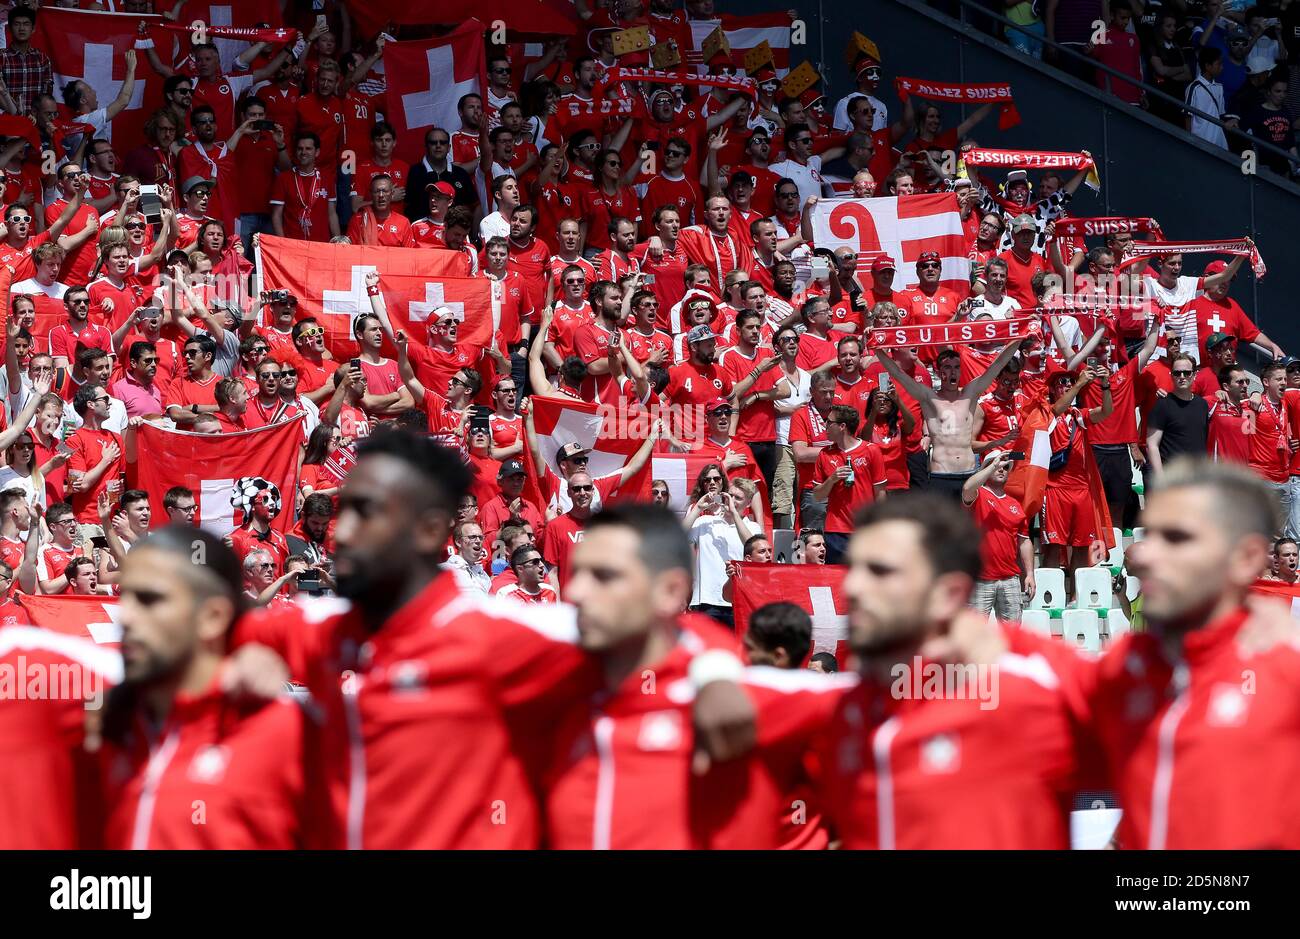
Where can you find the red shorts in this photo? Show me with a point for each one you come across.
(1068, 517)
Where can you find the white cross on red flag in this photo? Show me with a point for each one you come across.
(426, 77)
(330, 283)
(816, 588)
(209, 464)
(93, 618)
(90, 46)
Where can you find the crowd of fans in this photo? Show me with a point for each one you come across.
(1234, 60)
(662, 261)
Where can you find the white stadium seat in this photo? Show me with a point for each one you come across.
(1049, 589)
(1082, 627)
(1038, 621)
(1092, 588)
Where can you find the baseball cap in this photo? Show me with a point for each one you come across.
(442, 188)
(764, 74)
(741, 177)
(961, 181)
(700, 333)
(1023, 222)
(1218, 339)
(510, 468)
(661, 90)
(1216, 267)
(1017, 176)
(864, 62)
(885, 263)
(928, 256)
(569, 451)
(195, 182)
(225, 306)
(716, 404)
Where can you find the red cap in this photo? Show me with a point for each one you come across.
(1216, 267)
(1056, 371)
(445, 188)
(882, 263)
(765, 73)
(810, 97)
(715, 404)
(863, 62)
(928, 256)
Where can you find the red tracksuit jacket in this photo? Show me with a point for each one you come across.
(46, 778)
(1203, 753)
(215, 775)
(421, 741)
(620, 777)
(933, 773)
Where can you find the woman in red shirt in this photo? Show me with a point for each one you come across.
(314, 477)
(890, 425)
(607, 199)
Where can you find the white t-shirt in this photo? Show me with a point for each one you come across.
(999, 311)
(494, 225)
(879, 120)
(718, 542)
(801, 395)
(807, 176)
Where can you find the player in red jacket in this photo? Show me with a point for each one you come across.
(980, 758)
(619, 776)
(46, 777)
(419, 686)
(185, 766)
(1201, 736)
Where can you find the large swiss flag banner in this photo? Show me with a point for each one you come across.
(329, 281)
(92, 618)
(89, 45)
(816, 588)
(209, 464)
(559, 421)
(900, 226)
(426, 77)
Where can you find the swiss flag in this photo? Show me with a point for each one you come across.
(89, 45)
(679, 471)
(329, 281)
(816, 588)
(559, 421)
(1028, 479)
(209, 464)
(744, 33)
(426, 77)
(85, 617)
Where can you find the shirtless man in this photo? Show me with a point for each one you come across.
(949, 415)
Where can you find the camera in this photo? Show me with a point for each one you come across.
(275, 296)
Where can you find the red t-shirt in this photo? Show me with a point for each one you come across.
(845, 500)
(1003, 523)
(809, 427)
(692, 384)
(1229, 433)
(87, 452)
(77, 265)
(682, 194)
(1121, 426)
(562, 534)
(758, 421)
(306, 199)
(1270, 456)
(1019, 276)
(323, 117)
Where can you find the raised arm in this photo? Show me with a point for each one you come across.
(992, 461)
(404, 369)
(921, 393)
(128, 87)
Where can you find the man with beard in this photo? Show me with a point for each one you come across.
(448, 776)
(172, 736)
(992, 762)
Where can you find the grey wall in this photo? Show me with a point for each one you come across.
(1195, 193)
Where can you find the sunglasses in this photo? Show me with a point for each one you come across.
(574, 282)
(675, 153)
(580, 460)
(531, 561)
(1181, 373)
(265, 566)
(499, 71)
(581, 488)
(459, 381)
(310, 332)
(436, 143)
(788, 194)
(723, 412)
(713, 479)
(265, 375)
(21, 218)
(804, 140)
(289, 371)
(85, 301)
(928, 265)
(130, 225)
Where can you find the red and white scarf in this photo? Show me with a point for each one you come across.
(1008, 116)
(1238, 247)
(1033, 160)
(745, 86)
(955, 333)
(1108, 225)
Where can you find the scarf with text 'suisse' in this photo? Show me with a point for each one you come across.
(1108, 225)
(1034, 160)
(745, 86)
(995, 93)
(956, 333)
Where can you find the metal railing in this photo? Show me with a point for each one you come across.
(979, 12)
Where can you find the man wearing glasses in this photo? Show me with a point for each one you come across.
(78, 332)
(867, 70)
(531, 586)
(19, 243)
(800, 165)
(138, 389)
(928, 303)
(672, 187)
(72, 180)
(499, 92)
(565, 531)
(1177, 424)
(1231, 421)
(437, 168)
(308, 360)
